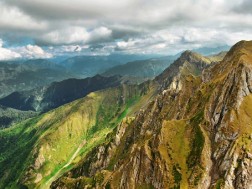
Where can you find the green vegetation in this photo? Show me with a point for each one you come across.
(9, 116)
(219, 184)
(177, 176)
(176, 151)
(198, 141)
(16, 144)
(37, 151)
(107, 186)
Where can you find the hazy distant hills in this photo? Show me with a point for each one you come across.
(58, 93)
(32, 91)
(28, 75)
(148, 69)
(144, 69)
(9, 116)
(87, 66)
(26, 85)
(30, 85)
(207, 51)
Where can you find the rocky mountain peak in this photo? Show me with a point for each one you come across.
(191, 56)
(240, 55)
(242, 47)
(189, 63)
(243, 51)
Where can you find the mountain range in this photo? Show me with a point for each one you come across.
(196, 133)
(30, 74)
(88, 66)
(39, 85)
(188, 127)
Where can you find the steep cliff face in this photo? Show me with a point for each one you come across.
(229, 114)
(195, 134)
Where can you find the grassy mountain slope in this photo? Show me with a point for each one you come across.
(218, 57)
(37, 151)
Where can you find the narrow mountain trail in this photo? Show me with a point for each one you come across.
(57, 174)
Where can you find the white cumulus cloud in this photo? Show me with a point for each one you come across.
(25, 52)
(34, 51)
(6, 54)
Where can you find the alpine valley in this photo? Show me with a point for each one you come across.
(172, 122)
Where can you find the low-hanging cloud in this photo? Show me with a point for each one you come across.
(33, 51)
(28, 52)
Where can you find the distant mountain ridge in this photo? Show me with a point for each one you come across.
(208, 51)
(88, 66)
(10, 116)
(28, 75)
(145, 69)
(58, 93)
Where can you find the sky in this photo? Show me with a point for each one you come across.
(47, 28)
